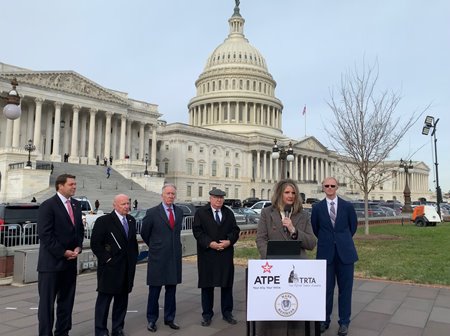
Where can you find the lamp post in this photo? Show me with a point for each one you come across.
(431, 123)
(30, 148)
(146, 164)
(407, 166)
(283, 154)
(12, 108)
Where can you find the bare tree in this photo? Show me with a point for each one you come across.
(365, 129)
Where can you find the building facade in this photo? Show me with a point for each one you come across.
(233, 121)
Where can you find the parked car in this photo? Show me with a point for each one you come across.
(251, 216)
(240, 218)
(188, 208)
(85, 204)
(389, 212)
(258, 206)
(248, 202)
(18, 223)
(374, 209)
(233, 202)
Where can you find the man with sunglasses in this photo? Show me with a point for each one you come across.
(334, 223)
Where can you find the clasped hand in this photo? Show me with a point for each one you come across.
(219, 246)
(70, 255)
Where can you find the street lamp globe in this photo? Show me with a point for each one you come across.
(12, 109)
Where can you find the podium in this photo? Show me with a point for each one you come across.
(286, 290)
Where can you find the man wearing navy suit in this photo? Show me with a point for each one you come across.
(161, 229)
(334, 223)
(61, 232)
(114, 243)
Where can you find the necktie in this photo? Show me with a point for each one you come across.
(125, 225)
(171, 218)
(332, 213)
(70, 210)
(217, 217)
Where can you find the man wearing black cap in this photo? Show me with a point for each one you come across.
(216, 232)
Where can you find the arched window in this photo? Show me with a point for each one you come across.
(214, 168)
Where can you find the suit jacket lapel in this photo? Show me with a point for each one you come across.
(163, 214)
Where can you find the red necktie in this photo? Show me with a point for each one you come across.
(70, 210)
(171, 218)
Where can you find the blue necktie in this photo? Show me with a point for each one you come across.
(125, 225)
(217, 217)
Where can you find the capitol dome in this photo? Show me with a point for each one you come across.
(235, 91)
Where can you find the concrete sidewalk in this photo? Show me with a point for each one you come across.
(379, 309)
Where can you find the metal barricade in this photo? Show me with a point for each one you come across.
(19, 235)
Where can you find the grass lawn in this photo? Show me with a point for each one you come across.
(392, 252)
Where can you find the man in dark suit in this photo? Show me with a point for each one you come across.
(161, 229)
(216, 232)
(334, 223)
(61, 234)
(114, 243)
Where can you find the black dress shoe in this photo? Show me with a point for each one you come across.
(118, 333)
(206, 323)
(343, 330)
(230, 319)
(151, 326)
(323, 327)
(172, 325)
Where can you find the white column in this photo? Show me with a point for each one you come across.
(83, 124)
(128, 136)
(37, 124)
(30, 122)
(8, 133)
(91, 143)
(295, 172)
(107, 149)
(98, 138)
(307, 177)
(56, 156)
(16, 133)
(301, 168)
(115, 138)
(122, 136)
(47, 151)
(264, 172)
(74, 156)
(258, 165)
(153, 166)
(141, 141)
(271, 168)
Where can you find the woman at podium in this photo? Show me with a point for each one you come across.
(284, 220)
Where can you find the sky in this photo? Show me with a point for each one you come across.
(155, 50)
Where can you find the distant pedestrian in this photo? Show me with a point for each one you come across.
(135, 204)
(105, 161)
(108, 172)
(110, 160)
(97, 160)
(51, 168)
(33, 199)
(97, 205)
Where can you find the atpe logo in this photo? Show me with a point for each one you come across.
(286, 304)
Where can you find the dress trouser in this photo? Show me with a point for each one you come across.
(343, 274)
(226, 303)
(169, 303)
(59, 286)
(119, 311)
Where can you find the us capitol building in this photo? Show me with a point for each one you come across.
(233, 121)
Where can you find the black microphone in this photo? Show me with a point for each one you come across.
(287, 211)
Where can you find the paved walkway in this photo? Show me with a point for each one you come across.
(379, 309)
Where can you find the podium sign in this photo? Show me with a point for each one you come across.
(280, 290)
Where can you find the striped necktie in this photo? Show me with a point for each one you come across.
(332, 213)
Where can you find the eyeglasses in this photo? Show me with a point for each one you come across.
(330, 186)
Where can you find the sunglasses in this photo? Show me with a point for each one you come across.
(330, 186)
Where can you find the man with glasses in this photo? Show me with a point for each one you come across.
(216, 232)
(334, 223)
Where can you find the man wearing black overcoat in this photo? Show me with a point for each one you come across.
(216, 232)
(114, 243)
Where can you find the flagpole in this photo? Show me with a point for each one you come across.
(304, 114)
